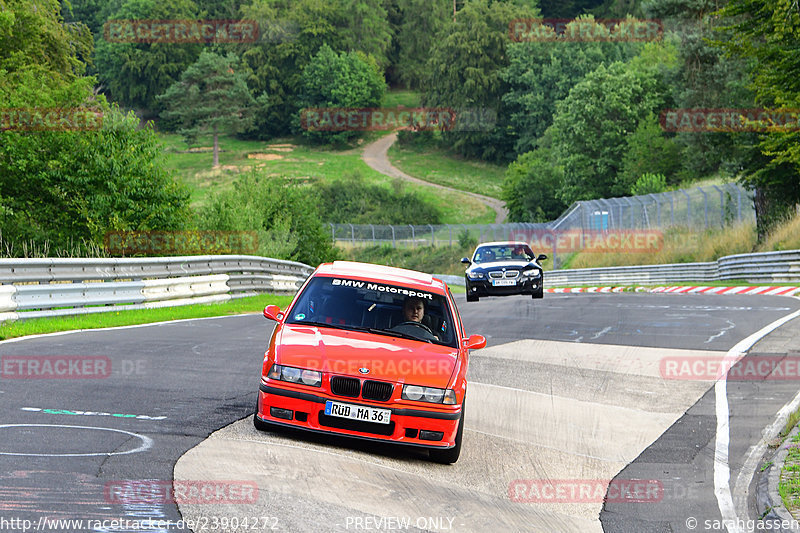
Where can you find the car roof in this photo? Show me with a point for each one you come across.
(382, 274)
(503, 243)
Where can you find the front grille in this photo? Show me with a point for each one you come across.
(377, 390)
(342, 386)
(355, 425)
(508, 274)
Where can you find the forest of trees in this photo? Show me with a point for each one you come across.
(572, 119)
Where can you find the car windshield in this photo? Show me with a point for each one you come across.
(353, 304)
(503, 252)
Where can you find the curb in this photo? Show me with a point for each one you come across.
(768, 501)
(686, 289)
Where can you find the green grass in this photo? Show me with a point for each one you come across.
(288, 157)
(440, 166)
(396, 98)
(789, 485)
(252, 304)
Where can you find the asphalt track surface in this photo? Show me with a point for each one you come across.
(569, 388)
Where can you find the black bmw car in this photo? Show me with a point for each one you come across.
(503, 268)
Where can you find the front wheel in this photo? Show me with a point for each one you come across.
(538, 294)
(450, 455)
(471, 297)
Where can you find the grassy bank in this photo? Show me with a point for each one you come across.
(253, 304)
(440, 166)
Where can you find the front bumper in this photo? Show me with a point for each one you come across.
(307, 411)
(484, 287)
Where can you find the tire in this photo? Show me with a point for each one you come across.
(538, 294)
(450, 455)
(261, 426)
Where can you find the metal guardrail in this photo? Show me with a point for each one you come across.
(31, 288)
(764, 267)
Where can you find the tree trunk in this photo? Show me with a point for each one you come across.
(216, 149)
(762, 206)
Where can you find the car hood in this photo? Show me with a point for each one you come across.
(344, 352)
(501, 264)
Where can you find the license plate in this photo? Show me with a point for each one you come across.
(358, 412)
(503, 282)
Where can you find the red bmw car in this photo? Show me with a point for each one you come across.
(371, 352)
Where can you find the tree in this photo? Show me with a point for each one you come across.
(648, 150)
(135, 73)
(531, 186)
(540, 74)
(280, 211)
(211, 96)
(464, 72)
(592, 124)
(343, 80)
(767, 35)
(67, 187)
(422, 20)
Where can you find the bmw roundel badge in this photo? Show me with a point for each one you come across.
(363, 370)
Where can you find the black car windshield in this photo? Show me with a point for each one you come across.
(502, 252)
(394, 310)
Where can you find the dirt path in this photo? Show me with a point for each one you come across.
(375, 156)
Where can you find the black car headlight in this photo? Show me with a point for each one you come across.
(476, 275)
(429, 394)
(291, 374)
(532, 273)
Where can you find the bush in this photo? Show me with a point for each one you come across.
(352, 200)
(282, 213)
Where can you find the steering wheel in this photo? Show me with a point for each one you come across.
(418, 324)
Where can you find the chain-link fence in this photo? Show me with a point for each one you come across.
(700, 207)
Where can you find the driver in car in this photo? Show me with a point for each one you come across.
(414, 309)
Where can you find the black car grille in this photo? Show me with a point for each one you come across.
(355, 425)
(377, 390)
(507, 274)
(342, 386)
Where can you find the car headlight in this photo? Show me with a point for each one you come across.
(532, 273)
(476, 275)
(428, 394)
(302, 376)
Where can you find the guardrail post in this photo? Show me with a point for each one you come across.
(739, 204)
(394, 244)
(451, 235)
(352, 235)
(413, 241)
(373, 233)
(705, 205)
(433, 236)
(333, 234)
(721, 207)
(688, 208)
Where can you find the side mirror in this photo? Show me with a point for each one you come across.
(475, 342)
(466, 261)
(273, 312)
(541, 258)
